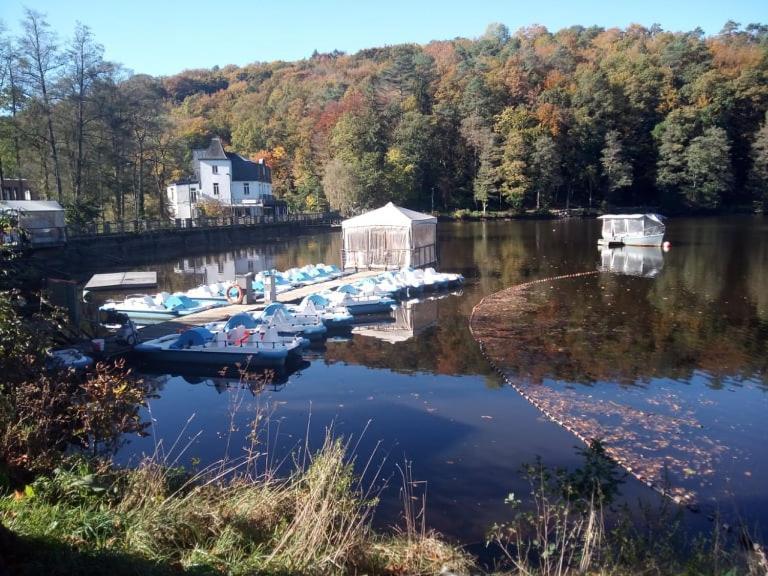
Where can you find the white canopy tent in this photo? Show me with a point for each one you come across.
(389, 237)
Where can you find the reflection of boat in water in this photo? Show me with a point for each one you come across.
(256, 380)
(646, 261)
(632, 229)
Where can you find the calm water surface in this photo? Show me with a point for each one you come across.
(420, 391)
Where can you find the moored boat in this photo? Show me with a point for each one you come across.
(632, 229)
(66, 359)
(332, 316)
(262, 347)
(357, 303)
(163, 306)
(287, 323)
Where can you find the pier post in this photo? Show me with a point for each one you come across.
(270, 288)
(245, 281)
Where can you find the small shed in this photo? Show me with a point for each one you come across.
(42, 220)
(389, 237)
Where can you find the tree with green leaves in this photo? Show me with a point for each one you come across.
(547, 172)
(617, 170)
(342, 186)
(673, 136)
(758, 174)
(486, 181)
(514, 170)
(517, 128)
(708, 168)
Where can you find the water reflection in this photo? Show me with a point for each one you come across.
(225, 267)
(646, 261)
(411, 318)
(611, 357)
(683, 349)
(227, 377)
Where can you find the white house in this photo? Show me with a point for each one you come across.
(244, 186)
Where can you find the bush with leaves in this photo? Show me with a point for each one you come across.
(44, 413)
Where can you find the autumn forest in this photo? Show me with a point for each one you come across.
(530, 120)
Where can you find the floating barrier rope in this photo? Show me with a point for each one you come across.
(684, 499)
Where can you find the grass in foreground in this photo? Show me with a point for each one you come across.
(160, 520)
(155, 520)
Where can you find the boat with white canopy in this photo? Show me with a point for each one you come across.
(632, 229)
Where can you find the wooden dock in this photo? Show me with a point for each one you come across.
(224, 312)
(122, 281)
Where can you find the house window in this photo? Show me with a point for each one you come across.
(215, 169)
(246, 188)
(192, 195)
(215, 189)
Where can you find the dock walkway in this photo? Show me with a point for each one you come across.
(122, 281)
(222, 313)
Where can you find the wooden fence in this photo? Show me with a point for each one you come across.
(149, 226)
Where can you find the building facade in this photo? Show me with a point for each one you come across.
(235, 185)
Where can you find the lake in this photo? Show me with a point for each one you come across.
(679, 338)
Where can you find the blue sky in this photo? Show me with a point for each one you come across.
(166, 36)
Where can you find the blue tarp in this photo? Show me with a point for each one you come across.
(241, 319)
(272, 308)
(348, 288)
(318, 300)
(193, 337)
(179, 302)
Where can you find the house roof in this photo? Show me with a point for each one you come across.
(31, 205)
(244, 170)
(215, 151)
(389, 215)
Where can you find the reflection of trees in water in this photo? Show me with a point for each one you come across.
(602, 329)
(626, 329)
(757, 281)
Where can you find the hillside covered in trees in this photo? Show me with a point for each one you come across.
(531, 119)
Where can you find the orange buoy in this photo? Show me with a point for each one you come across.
(235, 294)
